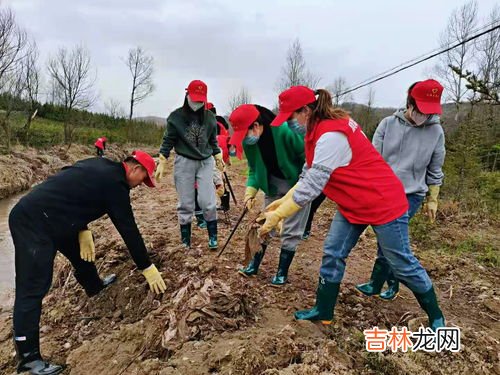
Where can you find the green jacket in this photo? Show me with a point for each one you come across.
(291, 157)
(189, 137)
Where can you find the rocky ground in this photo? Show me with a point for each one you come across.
(211, 320)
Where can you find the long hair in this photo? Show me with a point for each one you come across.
(323, 109)
(409, 99)
(266, 116)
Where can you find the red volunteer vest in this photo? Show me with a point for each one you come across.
(99, 143)
(366, 191)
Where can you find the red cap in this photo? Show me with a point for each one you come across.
(241, 119)
(291, 100)
(147, 162)
(197, 91)
(104, 139)
(209, 106)
(427, 95)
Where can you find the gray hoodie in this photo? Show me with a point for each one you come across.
(415, 153)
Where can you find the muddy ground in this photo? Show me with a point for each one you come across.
(211, 320)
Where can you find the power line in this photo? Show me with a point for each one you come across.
(411, 63)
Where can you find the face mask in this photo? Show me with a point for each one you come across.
(195, 106)
(232, 153)
(294, 126)
(251, 140)
(418, 118)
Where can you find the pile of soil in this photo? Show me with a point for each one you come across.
(211, 320)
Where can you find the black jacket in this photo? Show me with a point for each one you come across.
(82, 193)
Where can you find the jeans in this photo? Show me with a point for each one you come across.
(394, 244)
(414, 203)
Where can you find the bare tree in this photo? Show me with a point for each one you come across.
(141, 68)
(13, 40)
(12, 85)
(488, 55)
(113, 108)
(460, 26)
(73, 82)
(295, 72)
(31, 78)
(337, 89)
(238, 98)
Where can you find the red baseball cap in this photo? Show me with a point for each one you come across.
(241, 119)
(291, 100)
(147, 162)
(197, 91)
(427, 95)
(209, 105)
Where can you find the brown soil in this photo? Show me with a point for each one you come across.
(211, 320)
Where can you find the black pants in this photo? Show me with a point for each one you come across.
(100, 152)
(314, 207)
(35, 250)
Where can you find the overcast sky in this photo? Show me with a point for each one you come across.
(230, 44)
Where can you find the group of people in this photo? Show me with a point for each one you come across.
(310, 151)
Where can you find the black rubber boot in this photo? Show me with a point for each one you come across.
(326, 298)
(30, 360)
(428, 302)
(253, 266)
(286, 257)
(186, 234)
(393, 290)
(224, 201)
(379, 276)
(212, 234)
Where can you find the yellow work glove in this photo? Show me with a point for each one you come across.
(432, 202)
(219, 163)
(275, 204)
(285, 210)
(87, 248)
(154, 279)
(161, 169)
(249, 199)
(219, 189)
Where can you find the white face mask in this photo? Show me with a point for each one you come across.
(195, 106)
(417, 117)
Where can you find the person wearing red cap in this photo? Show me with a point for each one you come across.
(100, 146)
(55, 216)
(418, 164)
(343, 164)
(192, 133)
(275, 157)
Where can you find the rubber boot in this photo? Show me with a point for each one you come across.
(224, 201)
(253, 266)
(286, 257)
(186, 234)
(326, 298)
(107, 281)
(428, 302)
(393, 290)
(200, 221)
(212, 234)
(30, 360)
(377, 279)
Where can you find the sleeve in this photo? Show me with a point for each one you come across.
(332, 151)
(378, 136)
(435, 175)
(121, 214)
(169, 140)
(251, 180)
(212, 139)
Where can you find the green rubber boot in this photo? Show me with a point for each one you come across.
(428, 302)
(393, 290)
(286, 257)
(186, 234)
(253, 266)
(200, 221)
(326, 298)
(377, 279)
(212, 234)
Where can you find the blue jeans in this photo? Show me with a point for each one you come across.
(394, 243)
(414, 202)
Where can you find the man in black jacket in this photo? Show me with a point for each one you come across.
(54, 216)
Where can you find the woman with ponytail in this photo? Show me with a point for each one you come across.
(342, 163)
